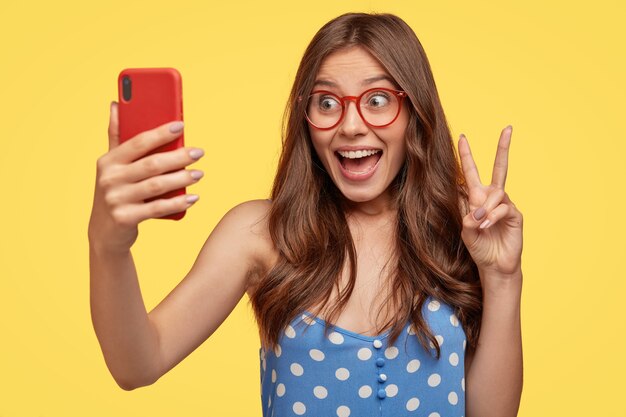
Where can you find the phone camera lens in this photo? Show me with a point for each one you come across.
(126, 88)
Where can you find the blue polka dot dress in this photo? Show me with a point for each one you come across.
(348, 374)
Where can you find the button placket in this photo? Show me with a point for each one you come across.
(380, 363)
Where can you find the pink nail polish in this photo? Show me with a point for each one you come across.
(479, 214)
(176, 127)
(196, 153)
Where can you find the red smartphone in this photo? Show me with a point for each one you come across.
(150, 97)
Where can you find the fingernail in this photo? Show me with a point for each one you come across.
(196, 174)
(192, 198)
(485, 224)
(196, 153)
(509, 127)
(176, 127)
(479, 214)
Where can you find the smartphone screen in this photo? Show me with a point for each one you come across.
(150, 97)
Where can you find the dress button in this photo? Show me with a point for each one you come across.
(378, 344)
(382, 393)
(382, 378)
(380, 362)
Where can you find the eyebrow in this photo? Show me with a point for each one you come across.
(366, 81)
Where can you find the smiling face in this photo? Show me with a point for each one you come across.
(361, 160)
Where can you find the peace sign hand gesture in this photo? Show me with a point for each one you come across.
(492, 230)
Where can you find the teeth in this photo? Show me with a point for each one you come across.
(358, 154)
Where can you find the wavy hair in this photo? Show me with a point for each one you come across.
(307, 220)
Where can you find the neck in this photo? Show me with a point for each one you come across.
(374, 212)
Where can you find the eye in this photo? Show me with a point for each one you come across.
(377, 99)
(328, 103)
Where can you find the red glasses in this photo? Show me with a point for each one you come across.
(378, 107)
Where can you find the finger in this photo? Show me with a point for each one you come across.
(114, 133)
(146, 141)
(496, 214)
(136, 213)
(161, 162)
(467, 163)
(501, 164)
(482, 214)
(507, 200)
(494, 198)
(138, 192)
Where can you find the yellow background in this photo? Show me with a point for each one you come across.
(554, 70)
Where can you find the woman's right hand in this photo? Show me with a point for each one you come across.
(126, 176)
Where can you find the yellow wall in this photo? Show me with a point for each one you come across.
(554, 70)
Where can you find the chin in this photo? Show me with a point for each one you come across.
(361, 196)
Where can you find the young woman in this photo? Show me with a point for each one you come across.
(385, 278)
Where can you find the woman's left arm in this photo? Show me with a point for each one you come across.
(492, 233)
(495, 377)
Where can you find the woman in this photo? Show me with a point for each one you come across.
(385, 278)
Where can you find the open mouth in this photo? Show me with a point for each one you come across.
(359, 162)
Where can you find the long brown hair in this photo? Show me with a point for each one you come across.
(307, 220)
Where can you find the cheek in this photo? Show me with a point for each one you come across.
(321, 143)
(400, 135)
(397, 143)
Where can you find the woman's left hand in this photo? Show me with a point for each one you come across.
(492, 230)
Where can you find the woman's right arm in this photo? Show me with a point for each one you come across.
(139, 347)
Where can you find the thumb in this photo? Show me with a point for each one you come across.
(114, 131)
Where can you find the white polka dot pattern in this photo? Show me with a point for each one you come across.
(299, 408)
(453, 398)
(434, 305)
(365, 391)
(413, 366)
(364, 354)
(434, 380)
(343, 411)
(391, 390)
(336, 338)
(296, 369)
(412, 404)
(391, 352)
(317, 355)
(290, 332)
(341, 373)
(320, 392)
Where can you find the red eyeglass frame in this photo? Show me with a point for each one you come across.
(357, 99)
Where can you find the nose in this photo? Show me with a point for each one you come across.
(352, 123)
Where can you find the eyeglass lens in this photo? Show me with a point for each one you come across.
(377, 107)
